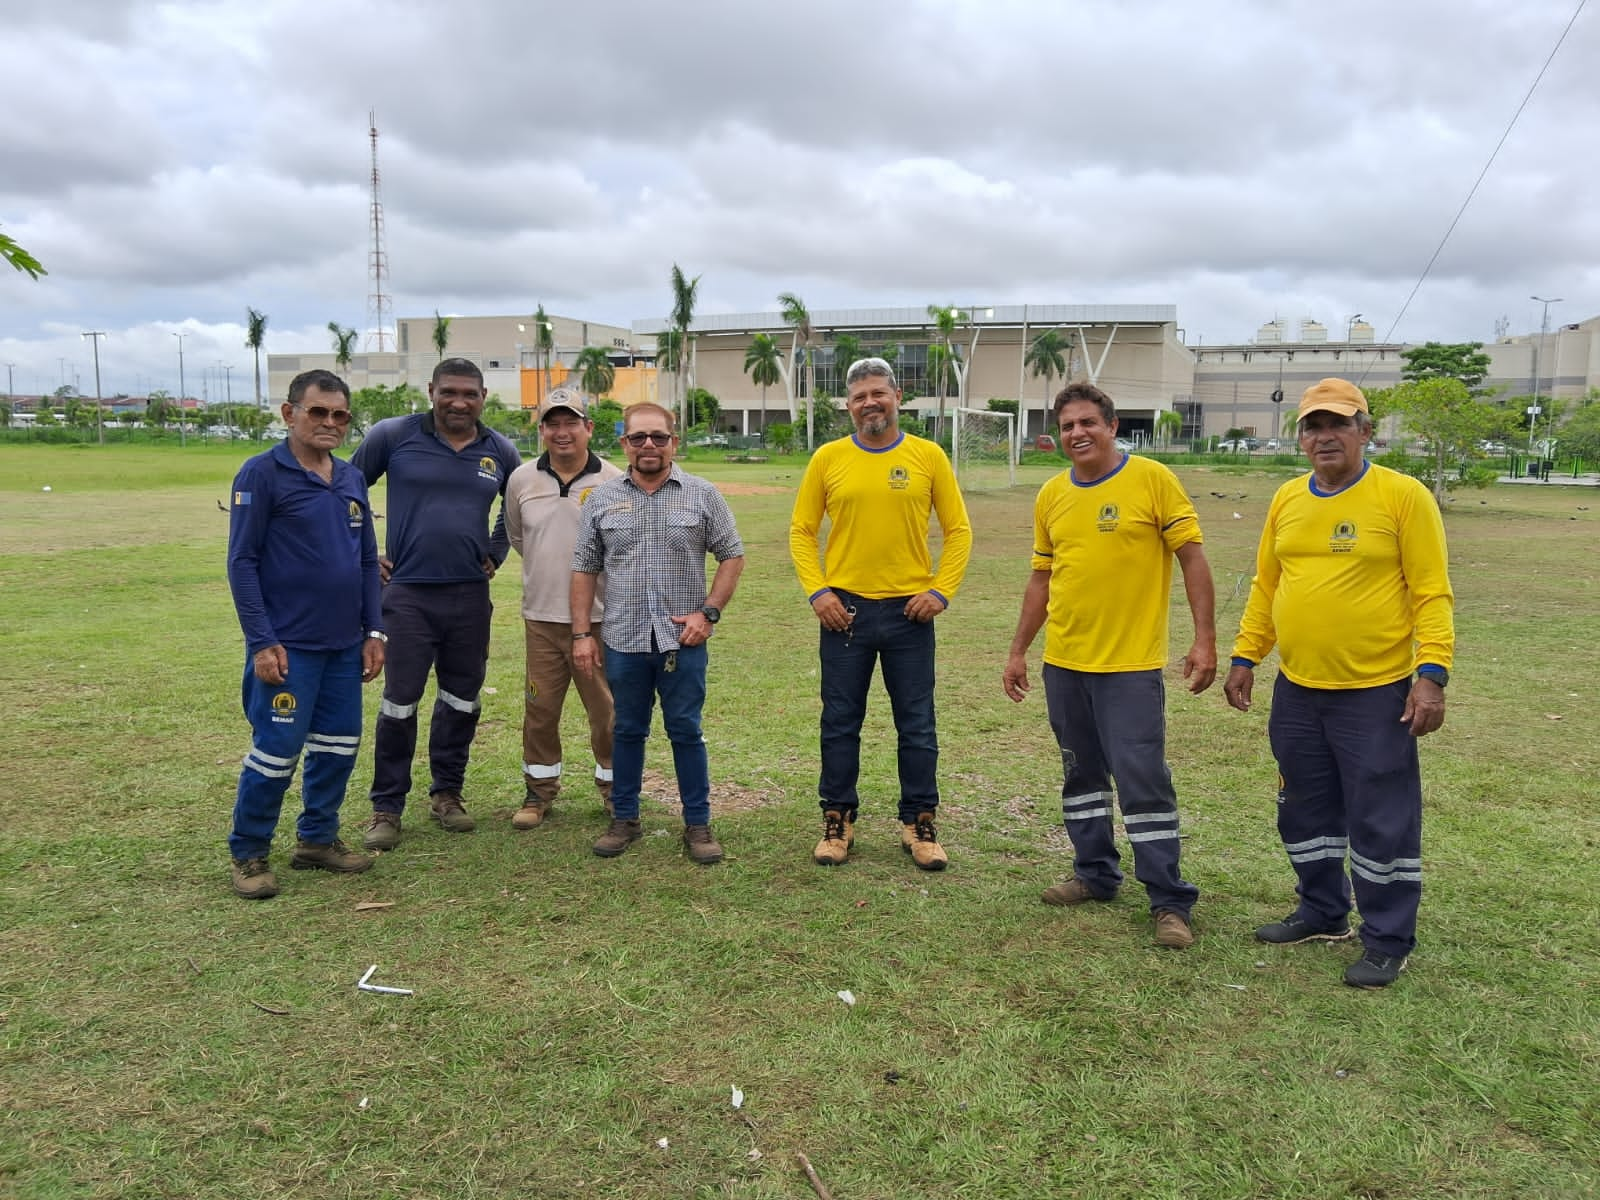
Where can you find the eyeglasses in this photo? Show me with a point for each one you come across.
(339, 416)
(639, 439)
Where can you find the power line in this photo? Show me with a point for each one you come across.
(1554, 50)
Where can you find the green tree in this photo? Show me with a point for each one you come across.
(1441, 411)
(159, 410)
(1047, 357)
(704, 408)
(945, 318)
(846, 349)
(606, 415)
(798, 318)
(1465, 361)
(20, 258)
(595, 372)
(344, 343)
(941, 375)
(544, 347)
(684, 293)
(255, 335)
(781, 437)
(762, 362)
(1168, 425)
(509, 421)
(1580, 436)
(441, 333)
(374, 404)
(6, 409)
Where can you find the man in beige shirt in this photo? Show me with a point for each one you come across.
(543, 499)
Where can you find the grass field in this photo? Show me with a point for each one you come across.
(578, 1024)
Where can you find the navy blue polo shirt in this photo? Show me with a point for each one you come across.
(439, 498)
(302, 555)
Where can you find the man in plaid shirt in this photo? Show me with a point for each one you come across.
(650, 532)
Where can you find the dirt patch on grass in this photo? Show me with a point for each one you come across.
(725, 797)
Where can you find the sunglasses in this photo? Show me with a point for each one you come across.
(639, 439)
(339, 416)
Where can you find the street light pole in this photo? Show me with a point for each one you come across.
(1544, 328)
(183, 439)
(99, 425)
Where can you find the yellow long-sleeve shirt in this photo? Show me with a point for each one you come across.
(1354, 587)
(1108, 546)
(878, 503)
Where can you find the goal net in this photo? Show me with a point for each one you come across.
(983, 449)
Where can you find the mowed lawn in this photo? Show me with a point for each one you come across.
(578, 1026)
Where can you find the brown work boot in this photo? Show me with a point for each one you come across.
(382, 832)
(605, 796)
(1073, 891)
(921, 841)
(328, 856)
(447, 809)
(532, 813)
(838, 835)
(1172, 930)
(700, 845)
(253, 879)
(617, 838)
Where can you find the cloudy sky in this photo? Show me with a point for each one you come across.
(174, 163)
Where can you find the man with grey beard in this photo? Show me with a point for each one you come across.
(875, 593)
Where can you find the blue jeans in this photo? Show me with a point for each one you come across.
(318, 710)
(879, 633)
(636, 680)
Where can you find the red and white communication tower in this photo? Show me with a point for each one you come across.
(380, 309)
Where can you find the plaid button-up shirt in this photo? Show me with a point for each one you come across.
(652, 547)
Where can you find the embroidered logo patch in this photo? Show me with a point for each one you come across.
(899, 478)
(1343, 540)
(1107, 518)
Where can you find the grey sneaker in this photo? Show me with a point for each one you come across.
(700, 845)
(1375, 970)
(617, 837)
(329, 856)
(253, 879)
(1294, 929)
(447, 809)
(382, 832)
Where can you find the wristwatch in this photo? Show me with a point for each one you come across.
(711, 613)
(1437, 674)
(379, 634)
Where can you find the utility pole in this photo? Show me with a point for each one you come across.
(99, 424)
(183, 439)
(1544, 329)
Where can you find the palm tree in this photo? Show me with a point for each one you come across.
(763, 363)
(941, 369)
(1045, 358)
(255, 334)
(795, 315)
(595, 372)
(846, 349)
(684, 291)
(1168, 425)
(441, 333)
(544, 344)
(945, 317)
(344, 343)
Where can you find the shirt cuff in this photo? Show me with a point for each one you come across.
(1240, 661)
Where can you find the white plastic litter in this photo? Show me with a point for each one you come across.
(738, 1097)
(663, 1143)
(847, 996)
(363, 985)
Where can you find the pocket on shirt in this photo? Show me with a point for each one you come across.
(683, 533)
(621, 532)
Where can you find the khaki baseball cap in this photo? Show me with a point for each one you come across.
(1335, 396)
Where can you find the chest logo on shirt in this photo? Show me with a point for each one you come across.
(1343, 540)
(583, 496)
(355, 515)
(899, 478)
(488, 469)
(1107, 518)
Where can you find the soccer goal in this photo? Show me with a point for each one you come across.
(983, 449)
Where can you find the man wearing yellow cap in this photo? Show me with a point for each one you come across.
(1352, 586)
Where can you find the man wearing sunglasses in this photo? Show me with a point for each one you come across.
(445, 470)
(543, 503)
(303, 569)
(647, 534)
(875, 596)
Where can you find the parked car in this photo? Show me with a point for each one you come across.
(1124, 446)
(1237, 445)
(1273, 445)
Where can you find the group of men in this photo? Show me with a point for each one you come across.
(1350, 585)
